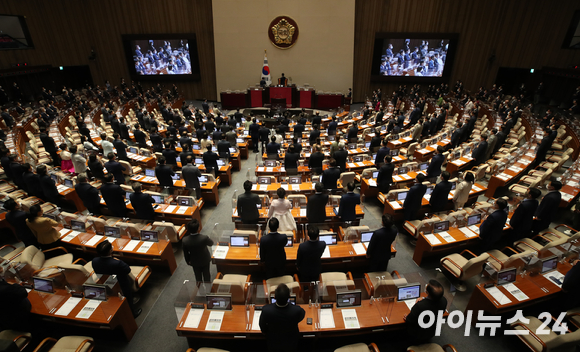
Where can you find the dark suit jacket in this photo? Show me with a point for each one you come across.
(143, 205)
(434, 168)
(385, 177)
(140, 138)
(195, 249)
(332, 127)
(521, 220)
(329, 177)
(291, 160)
(157, 141)
(316, 208)
(272, 148)
(90, 196)
(112, 266)
(491, 229)
(308, 260)
(548, 207)
(456, 136)
(15, 305)
(264, 133)
(380, 158)
(32, 182)
(479, 152)
(500, 140)
(170, 156)
(121, 148)
(247, 207)
(315, 161)
(17, 219)
(210, 160)
(413, 329)
(413, 201)
(97, 169)
(439, 196)
(314, 135)
(272, 249)
(340, 156)
(49, 189)
(163, 174)
(48, 143)
(116, 169)
(280, 325)
(379, 248)
(190, 175)
(113, 196)
(223, 148)
(347, 208)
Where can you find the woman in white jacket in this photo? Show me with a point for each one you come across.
(462, 191)
(281, 208)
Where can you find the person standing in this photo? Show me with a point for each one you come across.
(210, 160)
(440, 195)
(548, 207)
(462, 192)
(385, 176)
(316, 206)
(113, 195)
(281, 209)
(88, 194)
(272, 252)
(17, 219)
(196, 253)
(523, 217)
(142, 203)
(379, 248)
(414, 198)
(491, 229)
(308, 256)
(434, 168)
(164, 173)
(255, 134)
(79, 162)
(191, 175)
(15, 305)
(279, 322)
(247, 205)
(348, 203)
(434, 302)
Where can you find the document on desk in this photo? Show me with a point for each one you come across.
(214, 322)
(359, 248)
(432, 239)
(556, 277)
(475, 188)
(410, 303)
(516, 292)
(372, 183)
(70, 236)
(326, 253)
(350, 319)
(285, 186)
(145, 247)
(498, 295)
(351, 165)
(110, 239)
(406, 177)
(326, 319)
(474, 228)
(397, 158)
(302, 212)
(256, 320)
(269, 169)
(398, 178)
(221, 252)
(254, 187)
(131, 245)
(88, 309)
(193, 318)
(94, 240)
(295, 187)
(447, 237)
(68, 306)
(360, 164)
(395, 205)
(263, 187)
(63, 231)
(170, 209)
(182, 210)
(467, 232)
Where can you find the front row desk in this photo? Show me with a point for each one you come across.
(337, 305)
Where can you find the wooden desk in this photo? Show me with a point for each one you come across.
(462, 163)
(70, 194)
(427, 152)
(511, 173)
(209, 190)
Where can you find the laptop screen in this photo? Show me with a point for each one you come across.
(403, 170)
(549, 264)
(264, 180)
(77, 225)
(98, 292)
(348, 299)
(239, 140)
(357, 158)
(199, 161)
(330, 238)
(151, 236)
(411, 291)
(185, 201)
(240, 241)
(290, 241)
(196, 147)
(402, 195)
(158, 199)
(375, 174)
(133, 150)
(112, 231)
(150, 172)
(429, 191)
(367, 144)
(233, 150)
(128, 195)
(441, 226)
(366, 236)
(394, 152)
(473, 219)
(222, 302)
(453, 185)
(506, 276)
(176, 177)
(423, 166)
(202, 178)
(220, 162)
(54, 178)
(68, 182)
(270, 163)
(352, 146)
(294, 180)
(291, 299)
(43, 285)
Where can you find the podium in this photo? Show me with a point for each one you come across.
(281, 93)
(306, 98)
(256, 97)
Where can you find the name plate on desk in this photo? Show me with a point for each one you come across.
(88, 309)
(447, 237)
(70, 236)
(498, 295)
(145, 247)
(516, 292)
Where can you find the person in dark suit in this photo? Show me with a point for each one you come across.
(50, 147)
(548, 207)
(264, 133)
(88, 194)
(96, 168)
(113, 195)
(385, 177)
(210, 160)
(156, 140)
(8, 119)
(308, 256)
(315, 161)
(140, 136)
(115, 168)
(332, 126)
(379, 117)
(142, 203)
(283, 81)
(247, 205)
(352, 135)
(414, 198)
(15, 305)
(205, 107)
(316, 206)
(491, 228)
(279, 322)
(196, 253)
(191, 175)
(348, 203)
(105, 264)
(434, 168)
(384, 151)
(379, 248)
(400, 121)
(543, 147)
(571, 287)
(298, 129)
(500, 140)
(255, 134)
(331, 175)
(272, 252)
(273, 148)
(32, 181)
(16, 171)
(314, 135)
(123, 130)
(17, 219)
(522, 219)
(163, 173)
(223, 148)
(375, 141)
(297, 146)
(48, 186)
(440, 194)
(340, 156)
(415, 116)
(456, 136)
(291, 159)
(479, 151)
(434, 302)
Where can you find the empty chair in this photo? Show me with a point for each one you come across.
(358, 347)
(555, 157)
(20, 339)
(130, 170)
(68, 344)
(300, 198)
(432, 347)
(37, 260)
(335, 281)
(414, 227)
(292, 282)
(346, 178)
(499, 260)
(564, 144)
(538, 243)
(545, 342)
(234, 284)
(168, 229)
(382, 282)
(462, 268)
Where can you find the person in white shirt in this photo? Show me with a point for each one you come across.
(88, 145)
(79, 162)
(281, 208)
(462, 192)
(106, 144)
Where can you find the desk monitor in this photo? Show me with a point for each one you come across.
(128, 195)
(98, 292)
(457, 155)
(549, 264)
(383, 127)
(453, 185)
(441, 226)
(77, 225)
(402, 195)
(202, 178)
(270, 163)
(394, 152)
(348, 299)
(331, 138)
(423, 145)
(239, 140)
(219, 301)
(357, 158)
(410, 291)
(196, 146)
(403, 170)
(473, 219)
(264, 180)
(50, 216)
(366, 236)
(150, 172)
(112, 231)
(221, 162)
(239, 241)
(43, 284)
(198, 161)
(290, 241)
(291, 299)
(145, 153)
(467, 150)
(133, 150)
(185, 201)
(423, 166)
(246, 132)
(233, 150)
(507, 276)
(351, 146)
(295, 180)
(178, 159)
(68, 182)
(329, 238)
(375, 174)
(176, 176)
(367, 144)
(54, 177)
(151, 236)
(429, 190)
(444, 135)
(158, 199)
